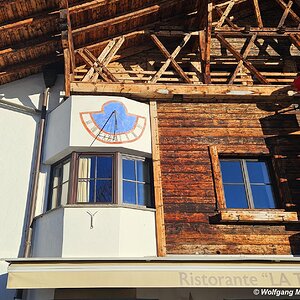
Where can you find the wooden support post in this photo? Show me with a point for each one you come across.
(216, 171)
(164, 67)
(202, 22)
(67, 44)
(168, 56)
(67, 72)
(207, 75)
(258, 14)
(239, 57)
(160, 223)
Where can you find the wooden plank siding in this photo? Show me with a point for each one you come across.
(186, 131)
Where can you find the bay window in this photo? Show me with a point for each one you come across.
(101, 178)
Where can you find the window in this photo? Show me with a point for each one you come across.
(244, 190)
(247, 183)
(136, 181)
(101, 178)
(60, 184)
(95, 179)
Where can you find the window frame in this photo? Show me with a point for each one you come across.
(60, 163)
(117, 179)
(247, 215)
(136, 181)
(246, 179)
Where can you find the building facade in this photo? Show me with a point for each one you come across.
(150, 150)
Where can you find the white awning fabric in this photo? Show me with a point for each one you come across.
(154, 274)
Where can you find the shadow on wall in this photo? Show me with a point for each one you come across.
(283, 142)
(5, 293)
(29, 91)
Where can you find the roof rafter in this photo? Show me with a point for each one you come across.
(125, 17)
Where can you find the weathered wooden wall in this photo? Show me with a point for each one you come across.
(186, 131)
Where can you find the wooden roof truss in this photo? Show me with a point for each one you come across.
(135, 46)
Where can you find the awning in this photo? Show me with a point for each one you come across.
(151, 274)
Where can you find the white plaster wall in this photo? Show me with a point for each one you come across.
(17, 133)
(116, 232)
(80, 240)
(57, 138)
(48, 234)
(137, 233)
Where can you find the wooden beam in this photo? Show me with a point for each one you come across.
(200, 92)
(166, 53)
(253, 216)
(100, 58)
(111, 53)
(225, 14)
(239, 57)
(96, 46)
(258, 14)
(229, 22)
(245, 54)
(66, 35)
(51, 14)
(126, 17)
(207, 75)
(217, 177)
(202, 23)
(285, 14)
(295, 17)
(24, 67)
(224, 4)
(157, 182)
(170, 59)
(67, 72)
(114, 50)
(99, 67)
(295, 39)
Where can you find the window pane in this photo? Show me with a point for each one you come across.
(129, 169)
(64, 194)
(86, 168)
(235, 196)
(231, 172)
(129, 192)
(144, 194)
(85, 191)
(104, 167)
(103, 191)
(258, 172)
(263, 196)
(56, 175)
(142, 171)
(54, 198)
(66, 171)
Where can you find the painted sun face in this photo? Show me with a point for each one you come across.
(113, 124)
